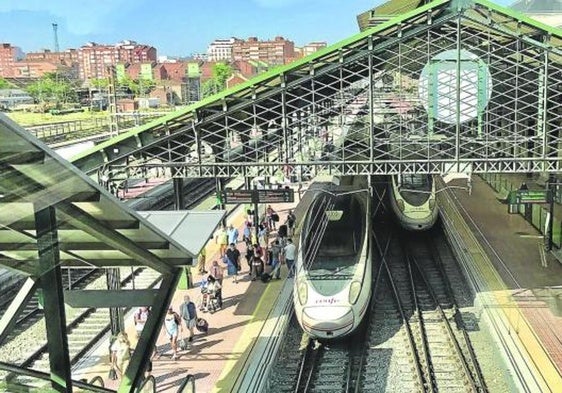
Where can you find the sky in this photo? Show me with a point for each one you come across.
(177, 27)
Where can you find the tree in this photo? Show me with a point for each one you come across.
(220, 74)
(99, 83)
(51, 89)
(138, 87)
(4, 84)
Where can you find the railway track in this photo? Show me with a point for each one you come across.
(414, 339)
(75, 278)
(85, 328)
(439, 350)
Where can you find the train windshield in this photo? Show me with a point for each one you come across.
(415, 188)
(415, 182)
(334, 242)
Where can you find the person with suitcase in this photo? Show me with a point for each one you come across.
(188, 313)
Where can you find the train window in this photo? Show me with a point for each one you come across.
(334, 215)
(415, 182)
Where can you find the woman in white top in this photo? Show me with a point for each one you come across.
(120, 354)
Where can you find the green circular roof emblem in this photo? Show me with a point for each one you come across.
(438, 86)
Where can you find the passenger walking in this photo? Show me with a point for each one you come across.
(221, 238)
(232, 234)
(249, 257)
(289, 253)
(172, 323)
(201, 260)
(217, 273)
(120, 354)
(275, 252)
(140, 317)
(257, 262)
(262, 236)
(188, 313)
(247, 234)
(233, 261)
(290, 222)
(270, 217)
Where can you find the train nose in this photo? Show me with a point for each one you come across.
(327, 322)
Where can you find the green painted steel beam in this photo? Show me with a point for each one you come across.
(134, 374)
(110, 298)
(51, 284)
(80, 220)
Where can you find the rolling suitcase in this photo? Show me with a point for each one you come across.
(282, 230)
(202, 325)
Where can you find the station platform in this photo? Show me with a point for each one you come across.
(516, 277)
(215, 359)
(512, 276)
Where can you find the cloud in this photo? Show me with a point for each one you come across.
(80, 16)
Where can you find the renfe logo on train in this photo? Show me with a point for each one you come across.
(331, 300)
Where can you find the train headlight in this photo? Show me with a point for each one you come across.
(302, 290)
(431, 204)
(400, 203)
(354, 291)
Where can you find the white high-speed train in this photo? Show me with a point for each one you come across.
(412, 198)
(332, 286)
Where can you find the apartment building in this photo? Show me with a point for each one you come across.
(273, 52)
(94, 58)
(221, 49)
(9, 55)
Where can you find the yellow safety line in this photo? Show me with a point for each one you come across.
(543, 364)
(233, 367)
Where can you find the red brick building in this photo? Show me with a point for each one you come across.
(9, 55)
(68, 57)
(33, 69)
(94, 58)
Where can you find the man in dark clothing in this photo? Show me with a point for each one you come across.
(233, 260)
(291, 219)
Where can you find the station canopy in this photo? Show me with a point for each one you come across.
(91, 226)
(447, 86)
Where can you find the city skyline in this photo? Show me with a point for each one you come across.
(182, 27)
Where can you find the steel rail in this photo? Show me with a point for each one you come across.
(429, 375)
(477, 376)
(411, 342)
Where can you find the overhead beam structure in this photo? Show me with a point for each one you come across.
(449, 86)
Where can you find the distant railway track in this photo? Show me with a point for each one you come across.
(439, 355)
(77, 277)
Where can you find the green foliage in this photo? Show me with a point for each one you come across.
(221, 72)
(138, 87)
(4, 84)
(99, 83)
(52, 90)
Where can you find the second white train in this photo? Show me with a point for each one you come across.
(412, 199)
